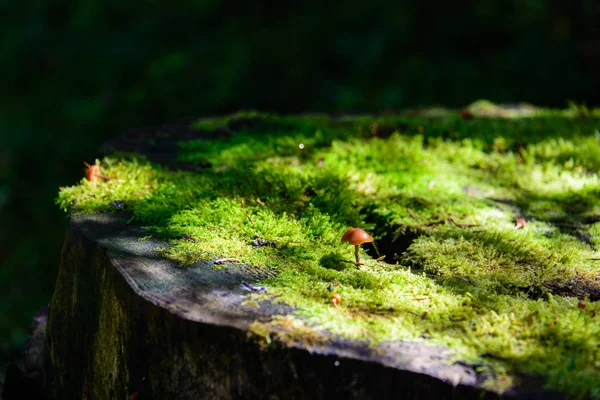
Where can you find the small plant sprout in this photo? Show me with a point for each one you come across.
(356, 237)
(92, 173)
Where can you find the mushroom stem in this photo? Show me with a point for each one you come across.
(356, 253)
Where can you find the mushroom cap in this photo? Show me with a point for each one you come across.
(356, 237)
(92, 172)
(336, 298)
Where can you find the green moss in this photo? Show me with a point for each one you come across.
(440, 196)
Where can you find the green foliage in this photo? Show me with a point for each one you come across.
(440, 197)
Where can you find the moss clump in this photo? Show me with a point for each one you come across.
(440, 196)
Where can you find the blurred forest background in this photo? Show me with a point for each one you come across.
(75, 73)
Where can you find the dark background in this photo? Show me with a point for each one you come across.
(75, 73)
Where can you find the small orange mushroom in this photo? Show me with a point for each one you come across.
(92, 173)
(336, 299)
(356, 237)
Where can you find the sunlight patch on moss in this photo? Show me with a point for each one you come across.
(132, 179)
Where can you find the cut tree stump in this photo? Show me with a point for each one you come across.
(126, 323)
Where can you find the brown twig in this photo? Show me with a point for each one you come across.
(432, 223)
(460, 278)
(462, 225)
(412, 214)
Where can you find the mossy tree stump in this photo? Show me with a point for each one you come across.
(233, 301)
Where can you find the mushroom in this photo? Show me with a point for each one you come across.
(336, 299)
(92, 173)
(356, 237)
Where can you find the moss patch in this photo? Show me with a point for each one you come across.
(440, 195)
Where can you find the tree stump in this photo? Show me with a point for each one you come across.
(126, 323)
